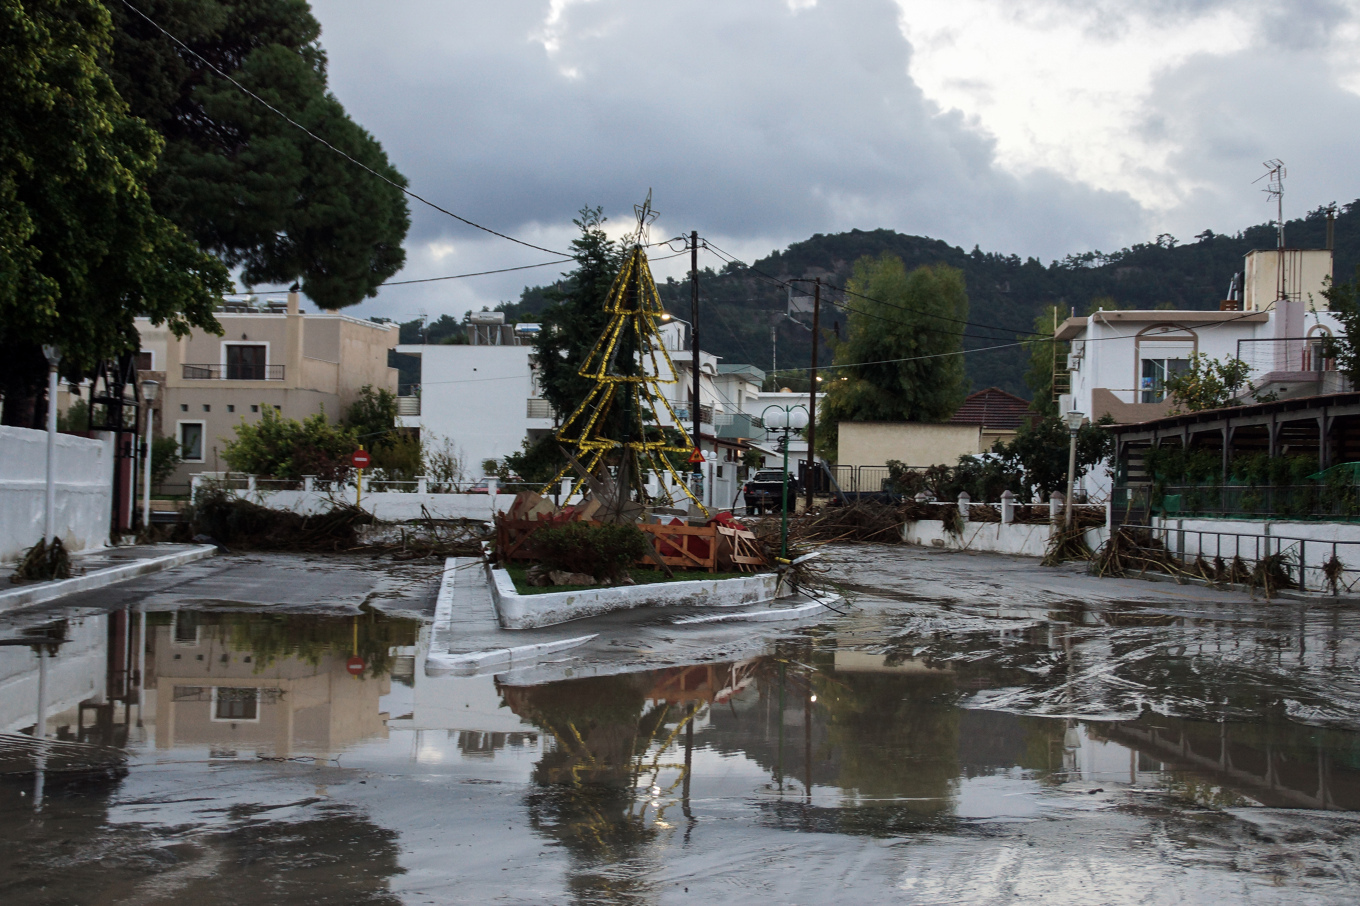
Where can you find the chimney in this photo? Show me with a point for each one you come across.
(294, 303)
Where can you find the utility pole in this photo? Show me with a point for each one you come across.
(694, 333)
(812, 392)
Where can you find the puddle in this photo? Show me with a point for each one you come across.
(1063, 752)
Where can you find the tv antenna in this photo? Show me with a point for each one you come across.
(1275, 173)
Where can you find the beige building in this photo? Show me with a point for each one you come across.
(295, 362)
(986, 417)
(208, 692)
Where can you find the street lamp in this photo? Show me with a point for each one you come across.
(1074, 420)
(786, 419)
(149, 388)
(696, 411)
(53, 354)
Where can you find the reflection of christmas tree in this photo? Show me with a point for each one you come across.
(618, 422)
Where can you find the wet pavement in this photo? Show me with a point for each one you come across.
(974, 729)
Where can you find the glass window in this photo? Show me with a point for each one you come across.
(236, 704)
(191, 441)
(245, 363)
(1154, 375)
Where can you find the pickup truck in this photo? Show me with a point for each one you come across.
(763, 491)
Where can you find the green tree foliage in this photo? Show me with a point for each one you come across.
(165, 457)
(1039, 374)
(237, 177)
(575, 317)
(82, 250)
(278, 447)
(373, 416)
(1208, 384)
(1038, 454)
(900, 319)
(1344, 301)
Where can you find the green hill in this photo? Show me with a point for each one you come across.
(738, 306)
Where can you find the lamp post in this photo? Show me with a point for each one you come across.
(53, 354)
(149, 388)
(696, 412)
(1074, 420)
(786, 419)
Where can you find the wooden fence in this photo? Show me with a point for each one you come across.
(690, 547)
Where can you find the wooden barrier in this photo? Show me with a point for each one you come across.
(698, 547)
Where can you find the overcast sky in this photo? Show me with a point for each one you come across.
(1035, 127)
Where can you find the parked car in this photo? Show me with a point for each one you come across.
(763, 491)
(480, 486)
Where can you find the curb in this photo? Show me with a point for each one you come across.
(468, 664)
(771, 615)
(41, 594)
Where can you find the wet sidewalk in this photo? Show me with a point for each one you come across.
(99, 569)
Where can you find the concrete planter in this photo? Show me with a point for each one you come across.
(517, 611)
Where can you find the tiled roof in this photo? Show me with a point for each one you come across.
(992, 408)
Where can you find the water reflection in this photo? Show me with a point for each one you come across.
(820, 732)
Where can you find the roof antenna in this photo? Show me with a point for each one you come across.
(1276, 173)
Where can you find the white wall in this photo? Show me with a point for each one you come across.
(477, 396)
(84, 476)
(76, 673)
(1315, 542)
(388, 506)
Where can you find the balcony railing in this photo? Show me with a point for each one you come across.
(236, 372)
(408, 405)
(682, 412)
(538, 408)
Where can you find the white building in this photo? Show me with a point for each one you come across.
(1120, 360)
(484, 396)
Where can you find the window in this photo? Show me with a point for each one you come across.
(246, 362)
(207, 408)
(254, 408)
(183, 407)
(146, 361)
(1155, 373)
(234, 703)
(191, 441)
(230, 407)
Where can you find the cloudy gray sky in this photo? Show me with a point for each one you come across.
(1036, 127)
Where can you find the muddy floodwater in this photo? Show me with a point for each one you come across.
(971, 730)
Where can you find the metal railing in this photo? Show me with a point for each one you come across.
(408, 405)
(538, 408)
(1306, 561)
(241, 371)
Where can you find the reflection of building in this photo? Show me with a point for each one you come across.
(1281, 769)
(210, 693)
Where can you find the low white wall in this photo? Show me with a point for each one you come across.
(84, 479)
(1313, 542)
(1021, 539)
(389, 506)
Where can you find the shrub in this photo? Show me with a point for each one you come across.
(278, 447)
(602, 550)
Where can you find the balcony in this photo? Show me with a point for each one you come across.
(538, 408)
(705, 414)
(243, 371)
(408, 405)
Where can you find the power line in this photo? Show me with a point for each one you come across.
(786, 283)
(391, 182)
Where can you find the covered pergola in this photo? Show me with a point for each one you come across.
(1326, 426)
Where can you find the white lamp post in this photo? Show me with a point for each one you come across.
(786, 419)
(53, 355)
(149, 388)
(1074, 420)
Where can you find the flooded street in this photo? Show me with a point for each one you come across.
(973, 729)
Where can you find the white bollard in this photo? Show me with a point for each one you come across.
(1007, 507)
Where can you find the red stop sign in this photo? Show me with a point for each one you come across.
(360, 459)
(355, 665)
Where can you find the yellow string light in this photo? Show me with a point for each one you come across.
(580, 431)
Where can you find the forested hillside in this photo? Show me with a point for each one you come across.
(738, 306)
